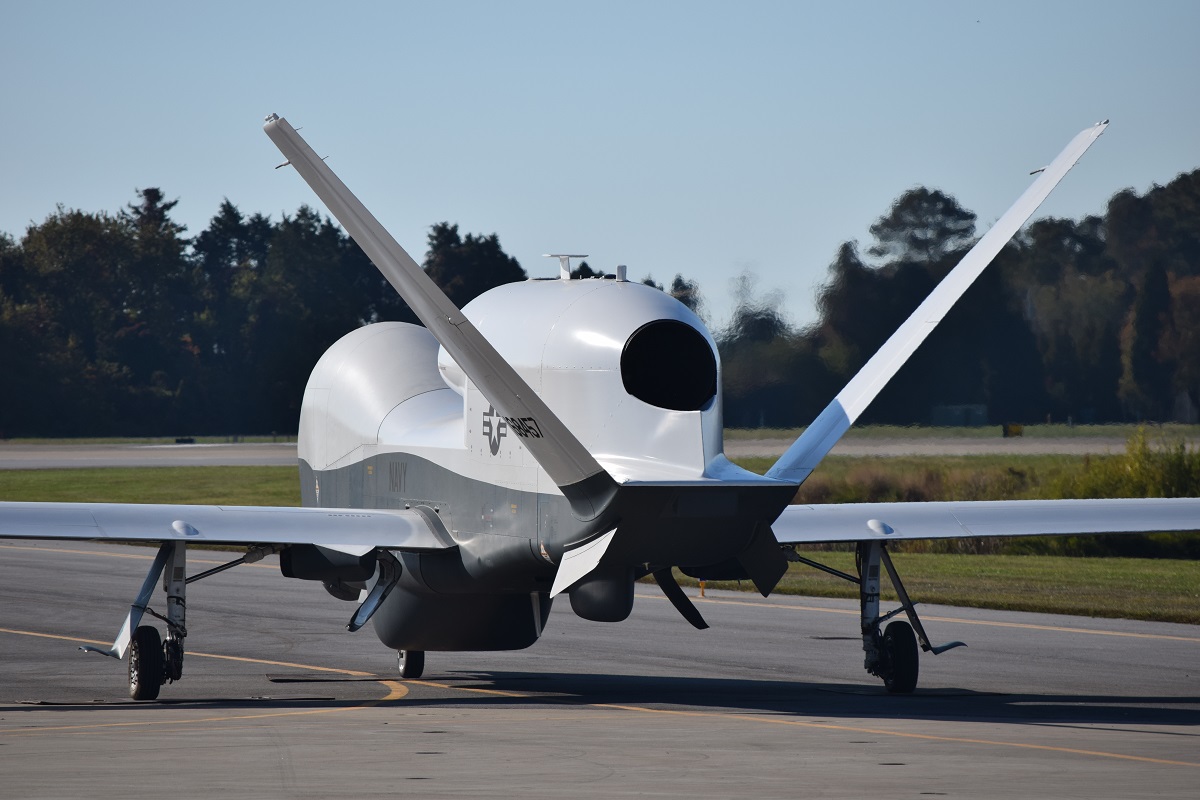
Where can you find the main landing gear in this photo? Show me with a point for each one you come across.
(154, 661)
(147, 663)
(891, 652)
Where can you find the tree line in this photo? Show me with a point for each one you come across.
(1093, 320)
(122, 324)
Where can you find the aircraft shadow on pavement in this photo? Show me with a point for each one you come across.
(265, 703)
(828, 701)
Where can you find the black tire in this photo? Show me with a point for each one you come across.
(172, 659)
(145, 663)
(900, 649)
(411, 663)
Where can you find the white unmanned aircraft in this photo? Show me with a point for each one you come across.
(552, 436)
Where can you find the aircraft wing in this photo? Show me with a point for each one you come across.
(856, 522)
(348, 530)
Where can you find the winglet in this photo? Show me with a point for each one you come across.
(807, 451)
(564, 458)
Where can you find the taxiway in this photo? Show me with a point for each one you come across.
(278, 700)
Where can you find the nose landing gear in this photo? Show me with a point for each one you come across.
(411, 663)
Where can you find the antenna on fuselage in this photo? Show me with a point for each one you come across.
(564, 263)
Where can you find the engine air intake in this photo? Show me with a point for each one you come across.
(669, 364)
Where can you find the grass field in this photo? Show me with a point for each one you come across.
(241, 486)
(1052, 431)
(854, 479)
(1166, 590)
(1154, 589)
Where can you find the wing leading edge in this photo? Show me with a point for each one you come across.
(857, 522)
(348, 530)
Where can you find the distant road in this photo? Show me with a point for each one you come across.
(49, 456)
(941, 446)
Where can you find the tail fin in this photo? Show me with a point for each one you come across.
(568, 463)
(814, 444)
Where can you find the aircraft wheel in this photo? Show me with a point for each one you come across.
(145, 663)
(900, 649)
(411, 663)
(173, 659)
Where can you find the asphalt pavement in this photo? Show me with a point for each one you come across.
(279, 700)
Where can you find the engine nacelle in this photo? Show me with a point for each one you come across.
(410, 620)
(604, 596)
(366, 375)
(312, 562)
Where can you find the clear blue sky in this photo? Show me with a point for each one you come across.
(693, 137)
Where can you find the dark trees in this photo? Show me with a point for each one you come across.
(923, 226)
(120, 324)
(771, 373)
(1146, 379)
(1055, 329)
(467, 266)
(687, 292)
(968, 360)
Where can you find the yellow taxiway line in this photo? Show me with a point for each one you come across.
(396, 691)
(1029, 626)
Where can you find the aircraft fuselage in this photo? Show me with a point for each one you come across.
(388, 421)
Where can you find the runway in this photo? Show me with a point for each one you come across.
(48, 456)
(51, 456)
(278, 700)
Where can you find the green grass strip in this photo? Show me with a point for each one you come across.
(1152, 589)
(1164, 590)
(241, 486)
(1169, 430)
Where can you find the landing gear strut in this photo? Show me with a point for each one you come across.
(890, 653)
(153, 661)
